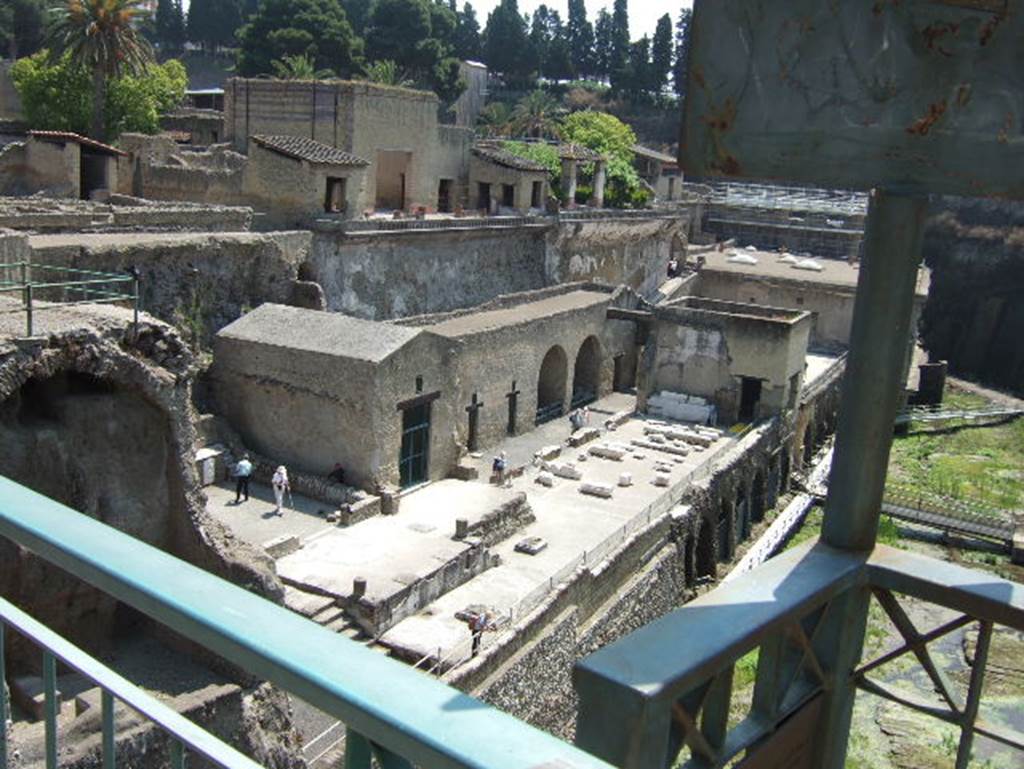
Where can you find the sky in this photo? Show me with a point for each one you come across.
(643, 14)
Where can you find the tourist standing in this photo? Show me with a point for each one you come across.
(280, 484)
(243, 472)
(477, 625)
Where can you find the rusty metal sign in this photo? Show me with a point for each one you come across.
(919, 95)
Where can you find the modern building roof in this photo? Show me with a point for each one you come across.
(504, 158)
(489, 320)
(308, 150)
(324, 333)
(63, 137)
(647, 152)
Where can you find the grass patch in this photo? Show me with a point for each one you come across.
(979, 464)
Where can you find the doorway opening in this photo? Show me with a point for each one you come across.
(413, 461)
(750, 396)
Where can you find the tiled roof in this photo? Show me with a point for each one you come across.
(578, 152)
(647, 152)
(63, 137)
(309, 150)
(505, 158)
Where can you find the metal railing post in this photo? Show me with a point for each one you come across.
(872, 390)
(28, 309)
(135, 302)
(50, 707)
(3, 699)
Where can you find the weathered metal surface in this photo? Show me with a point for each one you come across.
(916, 95)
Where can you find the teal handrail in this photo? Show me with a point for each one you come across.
(387, 705)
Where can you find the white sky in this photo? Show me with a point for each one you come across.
(643, 14)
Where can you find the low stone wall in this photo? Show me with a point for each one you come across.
(121, 214)
(501, 523)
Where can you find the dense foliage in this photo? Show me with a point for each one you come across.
(57, 95)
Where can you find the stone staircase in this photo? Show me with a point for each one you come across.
(325, 611)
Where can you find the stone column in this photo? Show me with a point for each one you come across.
(600, 176)
(569, 182)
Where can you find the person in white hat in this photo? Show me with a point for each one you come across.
(280, 484)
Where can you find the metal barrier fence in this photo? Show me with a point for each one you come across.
(63, 287)
(395, 717)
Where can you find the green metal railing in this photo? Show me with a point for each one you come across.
(42, 287)
(395, 716)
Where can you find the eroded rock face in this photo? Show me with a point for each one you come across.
(96, 415)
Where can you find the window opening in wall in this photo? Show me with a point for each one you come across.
(92, 172)
(334, 199)
(513, 408)
(537, 195)
(444, 196)
(483, 197)
(419, 384)
(414, 457)
(672, 188)
(508, 195)
(750, 396)
(799, 300)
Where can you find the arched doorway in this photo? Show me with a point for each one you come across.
(551, 385)
(742, 515)
(726, 528)
(757, 498)
(586, 373)
(705, 550)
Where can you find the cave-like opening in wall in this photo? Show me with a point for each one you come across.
(706, 550)
(757, 498)
(725, 531)
(742, 515)
(551, 385)
(586, 373)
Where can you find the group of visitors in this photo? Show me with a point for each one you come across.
(279, 482)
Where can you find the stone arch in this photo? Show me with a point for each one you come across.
(104, 413)
(758, 497)
(726, 531)
(742, 514)
(551, 384)
(705, 555)
(586, 373)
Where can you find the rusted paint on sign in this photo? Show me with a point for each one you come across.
(920, 95)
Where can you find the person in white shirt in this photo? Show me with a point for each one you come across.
(243, 472)
(280, 484)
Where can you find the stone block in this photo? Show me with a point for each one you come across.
(584, 435)
(544, 478)
(27, 693)
(90, 699)
(279, 547)
(603, 490)
(626, 479)
(465, 472)
(547, 453)
(211, 465)
(564, 470)
(609, 451)
(666, 448)
(364, 508)
(662, 479)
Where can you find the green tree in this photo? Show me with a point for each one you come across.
(603, 44)
(102, 37)
(679, 72)
(56, 95)
(21, 27)
(661, 54)
(299, 67)
(614, 139)
(504, 41)
(495, 120)
(358, 13)
(467, 34)
(538, 115)
(619, 55)
(549, 46)
(387, 73)
(317, 29)
(637, 79)
(580, 35)
(170, 24)
(214, 23)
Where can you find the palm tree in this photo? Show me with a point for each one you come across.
(495, 120)
(104, 37)
(538, 115)
(300, 67)
(387, 72)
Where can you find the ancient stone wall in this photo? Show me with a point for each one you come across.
(200, 283)
(120, 214)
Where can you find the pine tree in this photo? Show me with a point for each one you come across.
(467, 34)
(661, 54)
(505, 39)
(638, 79)
(679, 73)
(603, 44)
(213, 23)
(579, 34)
(619, 62)
(170, 24)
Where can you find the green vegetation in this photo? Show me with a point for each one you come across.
(57, 95)
(980, 464)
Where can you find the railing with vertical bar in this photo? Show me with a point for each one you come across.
(671, 686)
(394, 714)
